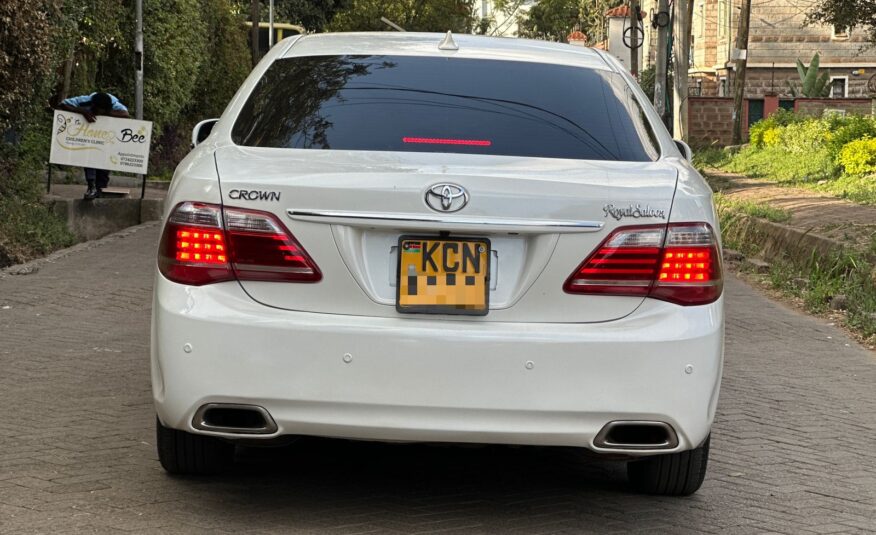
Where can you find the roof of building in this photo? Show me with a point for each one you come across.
(619, 11)
(577, 35)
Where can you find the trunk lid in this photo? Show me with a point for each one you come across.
(543, 216)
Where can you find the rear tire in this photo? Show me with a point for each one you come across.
(673, 474)
(191, 454)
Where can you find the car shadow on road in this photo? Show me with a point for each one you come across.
(347, 481)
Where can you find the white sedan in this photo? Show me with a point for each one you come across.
(437, 238)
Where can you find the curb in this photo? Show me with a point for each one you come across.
(782, 241)
(33, 266)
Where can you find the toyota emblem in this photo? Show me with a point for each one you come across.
(446, 197)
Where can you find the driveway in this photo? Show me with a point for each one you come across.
(794, 444)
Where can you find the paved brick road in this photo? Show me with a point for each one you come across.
(794, 443)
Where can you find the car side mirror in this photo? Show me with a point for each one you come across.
(202, 130)
(685, 149)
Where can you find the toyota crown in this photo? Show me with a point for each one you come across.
(439, 238)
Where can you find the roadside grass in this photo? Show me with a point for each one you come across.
(818, 281)
(815, 170)
(710, 157)
(752, 208)
(29, 230)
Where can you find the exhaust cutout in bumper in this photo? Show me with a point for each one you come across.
(636, 435)
(234, 418)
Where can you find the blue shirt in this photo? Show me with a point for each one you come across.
(84, 101)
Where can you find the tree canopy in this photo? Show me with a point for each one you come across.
(553, 20)
(847, 13)
(412, 15)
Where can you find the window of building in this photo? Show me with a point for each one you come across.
(722, 18)
(722, 86)
(839, 86)
(701, 28)
(840, 32)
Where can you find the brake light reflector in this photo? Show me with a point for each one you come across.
(195, 249)
(447, 141)
(679, 263)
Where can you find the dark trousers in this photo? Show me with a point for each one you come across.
(100, 177)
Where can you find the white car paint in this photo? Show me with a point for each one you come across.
(336, 359)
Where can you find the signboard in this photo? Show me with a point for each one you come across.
(108, 143)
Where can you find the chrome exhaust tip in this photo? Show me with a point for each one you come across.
(234, 418)
(636, 435)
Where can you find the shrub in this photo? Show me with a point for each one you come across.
(778, 119)
(859, 157)
(805, 137)
(772, 137)
(844, 130)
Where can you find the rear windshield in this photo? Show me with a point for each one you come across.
(435, 104)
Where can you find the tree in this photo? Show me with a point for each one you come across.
(846, 14)
(553, 20)
(412, 15)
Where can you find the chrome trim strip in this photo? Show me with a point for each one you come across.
(198, 421)
(375, 219)
(601, 440)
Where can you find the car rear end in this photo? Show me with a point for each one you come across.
(385, 240)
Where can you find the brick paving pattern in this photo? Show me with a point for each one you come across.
(794, 444)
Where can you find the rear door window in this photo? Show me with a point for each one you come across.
(451, 105)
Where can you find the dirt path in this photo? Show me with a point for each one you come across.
(810, 211)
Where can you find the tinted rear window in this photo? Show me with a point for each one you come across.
(434, 104)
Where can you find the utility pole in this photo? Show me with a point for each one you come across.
(271, 24)
(681, 49)
(138, 81)
(741, 53)
(662, 60)
(254, 32)
(634, 38)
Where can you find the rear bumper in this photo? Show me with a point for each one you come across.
(416, 379)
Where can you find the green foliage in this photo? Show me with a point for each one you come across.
(314, 15)
(816, 279)
(804, 137)
(812, 84)
(776, 163)
(412, 15)
(844, 130)
(859, 157)
(25, 57)
(845, 13)
(752, 208)
(780, 118)
(553, 20)
(710, 157)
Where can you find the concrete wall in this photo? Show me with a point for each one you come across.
(90, 220)
(815, 106)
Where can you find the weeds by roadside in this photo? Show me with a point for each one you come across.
(842, 281)
(752, 208)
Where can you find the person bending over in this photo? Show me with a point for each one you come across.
(90, 106)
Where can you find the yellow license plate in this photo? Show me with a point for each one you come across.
(443, 276)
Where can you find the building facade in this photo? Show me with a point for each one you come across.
(778, 36)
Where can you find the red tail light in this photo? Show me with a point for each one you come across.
(679, 263)
(195, 248)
